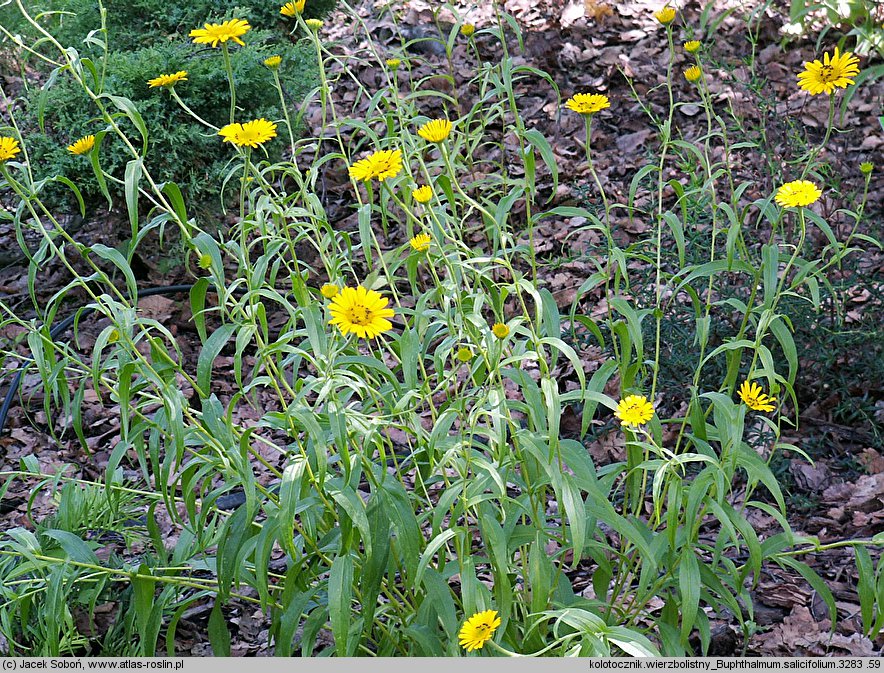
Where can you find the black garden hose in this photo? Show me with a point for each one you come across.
(229, 501)
(60, 328)
(67, 322)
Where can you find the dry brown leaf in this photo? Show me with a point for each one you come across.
(597, 10)
(158, 308)
(873, 461)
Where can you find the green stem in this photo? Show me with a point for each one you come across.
(828, 547)
(187, 109)
(595, 177)
(502, 650)
(229, 69)
(658, 288)
(204, 584)
(598, 182)
(830, 125)
(285, 113)
(242, 195)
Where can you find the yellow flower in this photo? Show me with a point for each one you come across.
(214, 33)
(329, 290)
(204, 261)
(435, 131)
(478, 630)
(587, 103)
(250, 134)
(797, 194)
(500, 330)
(168, 80)
(393, 63)
(866, 167)
(361, 312)
(313, 24)
(421, 242)
(752, 396)
(834, 71)
(692, 46)
(83, 145)
(273, 62)
(467, 30)
(665, 15)
(634, 410)
(464, 354)
(292, 9)
(693, 74)
(423, 194)
(8, 148)
(381, 165)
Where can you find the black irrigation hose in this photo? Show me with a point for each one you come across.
(67, 322)
(230, 501)
(61, 327)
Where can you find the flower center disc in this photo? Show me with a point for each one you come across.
(360, 315)
(827, 73)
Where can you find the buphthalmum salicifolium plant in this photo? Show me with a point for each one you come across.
(395, 429)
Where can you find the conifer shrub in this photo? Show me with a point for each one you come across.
(178, 147)
(146, 38)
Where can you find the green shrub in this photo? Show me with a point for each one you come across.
(180, 148)
(132, 24)
(146, 38)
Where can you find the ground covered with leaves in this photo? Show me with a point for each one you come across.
(591, 46)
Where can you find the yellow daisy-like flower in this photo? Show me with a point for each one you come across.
(250, 134)
(421, 242)
(329, 290)
(587, 103)
(500, 330)
(393, 63)
(798, 194)
(478, 630)
(361, 312)
(273, 62)
(693, 46)
(423, 194)
(693, 74)
(834, 72)
(168, 80)
(381, 165)
(8, 148)
(467, 30)
(204, 261)
(634, 410)
(464, 354)
(753, 398)
(83, 145)
(313, 24)
(292, 9)
(866, 167)
(215, 33)
(435, 131)
(665, 15)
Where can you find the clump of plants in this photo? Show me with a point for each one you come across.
(390, 470)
